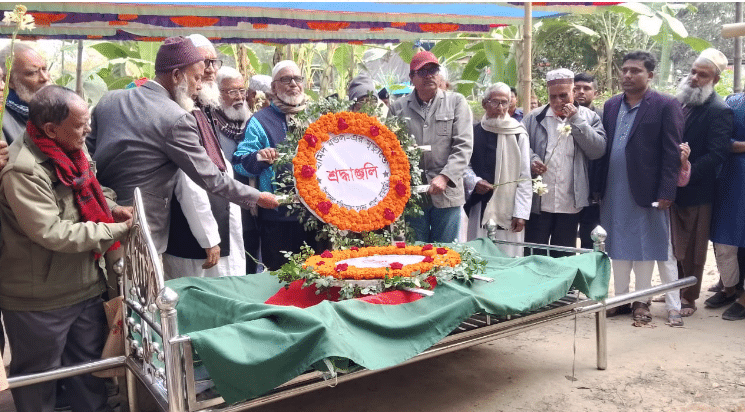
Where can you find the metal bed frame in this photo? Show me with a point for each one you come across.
(161, 359)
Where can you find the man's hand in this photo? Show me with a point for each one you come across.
(122, 213)
(213, 255)
(537, 168)
(569, 110)
(663, 204)
(3, 154)
(267, 200)
(483, 187)
(268, 155)
(438, 184)
(518, 224)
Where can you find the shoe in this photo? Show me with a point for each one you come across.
(674, 319)
(618, 310)
(641, 312)
(720, 299)
(717, 287)
(734, 312)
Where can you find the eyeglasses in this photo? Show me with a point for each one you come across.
(495, 103)
(289, 79)
(216, 63)
(235, 93)
(427, 71)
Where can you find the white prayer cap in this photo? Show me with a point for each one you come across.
(260, 82)
(716, 57)
(281, 65)
(559, 76)
(200, 41)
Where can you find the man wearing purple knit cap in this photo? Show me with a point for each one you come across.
(141, 137)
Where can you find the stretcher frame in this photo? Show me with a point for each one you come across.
(161, 359)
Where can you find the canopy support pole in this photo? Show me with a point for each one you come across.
(738, 52)
(526, 64)
(79, 71)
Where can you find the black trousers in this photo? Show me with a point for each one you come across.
(45, 340)
(251, 239)
(280, 236)
(589, 219)
(557, 229)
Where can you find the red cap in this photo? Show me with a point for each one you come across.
(422, 58)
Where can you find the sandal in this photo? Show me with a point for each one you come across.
(687, 309)
(674, 319)
(641, 312)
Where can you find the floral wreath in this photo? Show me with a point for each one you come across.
(326, 264)
(307, 185)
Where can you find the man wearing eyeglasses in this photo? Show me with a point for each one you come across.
(257, 152)
(443, 120)
(206, 232)
(563, 138)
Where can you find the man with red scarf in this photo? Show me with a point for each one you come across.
(57, 221)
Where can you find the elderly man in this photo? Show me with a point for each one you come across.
(443, 120)
(563, 139)
(54, 210)
(257, 152)
(361, 91)
(142, 136)
(708, 130)
(501, 166)
(638, 179)
(585, 88)
(206, 233)
(29, 74)
(259, 94)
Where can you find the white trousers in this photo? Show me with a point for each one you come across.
(729, 268)
(643, 276)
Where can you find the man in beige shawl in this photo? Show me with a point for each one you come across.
(499, 172)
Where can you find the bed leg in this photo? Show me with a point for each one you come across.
(601, 334)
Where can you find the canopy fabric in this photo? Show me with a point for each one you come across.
(270, 22)
(249, 347)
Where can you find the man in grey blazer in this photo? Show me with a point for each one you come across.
(443, 120)
(141, 137)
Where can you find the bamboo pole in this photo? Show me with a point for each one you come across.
(737, 80)
(79, 71)
(527, 62)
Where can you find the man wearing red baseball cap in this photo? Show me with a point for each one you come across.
(443, 120)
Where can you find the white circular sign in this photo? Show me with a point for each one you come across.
(352, 171)
(381, 261)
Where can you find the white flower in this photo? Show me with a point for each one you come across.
(19, 18)
(564, 129)
(539, 187)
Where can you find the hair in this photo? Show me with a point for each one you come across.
(512, 90)
(496, 87)
(227, 73)
(19, 48)
(51, 104)
(586, 78)
(644, 56)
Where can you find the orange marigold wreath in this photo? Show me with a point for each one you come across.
(304, 169)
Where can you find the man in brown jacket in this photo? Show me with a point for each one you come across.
(57, 221)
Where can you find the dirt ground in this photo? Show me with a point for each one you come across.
(700, 367)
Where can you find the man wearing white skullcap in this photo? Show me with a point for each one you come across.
(257, 152)
(708, 130)
(563, 139)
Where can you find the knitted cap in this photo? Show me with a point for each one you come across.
(175, 53)
(360, 86)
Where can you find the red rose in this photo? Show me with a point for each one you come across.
(396, 265)
(307, 171)
(400, 189)
(323, 262)
(401, 244)
(374, 130)
(341, 266)
(393, 152)
(354, 248)
(342, 124)
(326, 254)
(427, 247)
(312, 140)
(441, 251)
(324, 207)
(388, 214)
(428, 259)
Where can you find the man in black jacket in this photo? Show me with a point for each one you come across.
(708, 129)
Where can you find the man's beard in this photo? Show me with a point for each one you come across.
(209, 95)
(182, 97)
(290, 99)
(236, 114)
(24, 92)
(693, 96)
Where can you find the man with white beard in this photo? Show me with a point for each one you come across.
(708, 130)
(257, 152)
(206, 233)
(141, 137)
